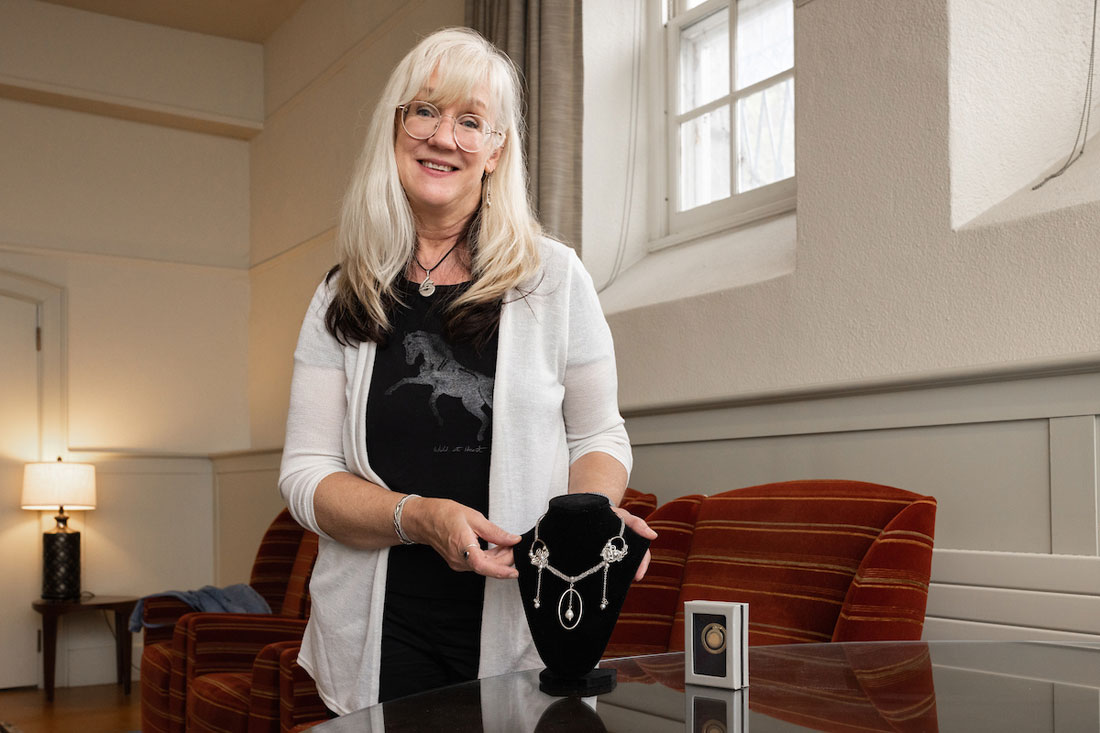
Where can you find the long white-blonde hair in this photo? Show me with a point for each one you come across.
(376, 238)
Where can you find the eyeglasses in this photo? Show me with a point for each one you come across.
(471, 133)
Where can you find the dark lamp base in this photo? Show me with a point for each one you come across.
(595, 682)
(61, 566)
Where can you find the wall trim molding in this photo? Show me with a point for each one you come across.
(247, 461)
(1064, 365)
(74, 254)
(123, 108)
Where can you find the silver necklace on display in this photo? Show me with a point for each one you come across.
(427, 287)
(540, 558)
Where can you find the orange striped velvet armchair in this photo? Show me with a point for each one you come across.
(180, 645)
(816, 561)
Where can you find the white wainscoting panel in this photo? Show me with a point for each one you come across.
(1011, 456)
(246, 499)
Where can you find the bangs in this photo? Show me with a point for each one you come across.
(463, 74)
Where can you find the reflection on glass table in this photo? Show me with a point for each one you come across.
(884, 686)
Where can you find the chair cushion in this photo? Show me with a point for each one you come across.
(790, 550)
(263, 706)
(638, 504)
(647, 613)
(159, 615)
(889, 594)
(299, 702)
(156, 670)
(296, 603)
(275, 559)
(218, 702)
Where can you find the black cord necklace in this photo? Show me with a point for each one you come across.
(427, 287)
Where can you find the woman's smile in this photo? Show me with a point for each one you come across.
(434, 165)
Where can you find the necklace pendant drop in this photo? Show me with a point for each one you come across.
(427, 287)
(567, 617)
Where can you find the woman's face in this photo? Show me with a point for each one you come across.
(440, 178)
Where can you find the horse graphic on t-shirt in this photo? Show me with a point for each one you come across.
(440, 371)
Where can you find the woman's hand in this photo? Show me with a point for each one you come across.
(453, 530)
(638, 526)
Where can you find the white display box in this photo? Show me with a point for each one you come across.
(716, 644)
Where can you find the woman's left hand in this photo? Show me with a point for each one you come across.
(638, 526)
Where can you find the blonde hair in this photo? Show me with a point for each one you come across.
(376, 238)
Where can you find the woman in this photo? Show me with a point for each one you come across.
(452, 375)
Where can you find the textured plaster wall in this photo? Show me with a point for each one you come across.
(882, 285)
(1017, 83)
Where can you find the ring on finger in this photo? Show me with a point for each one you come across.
(466, 552)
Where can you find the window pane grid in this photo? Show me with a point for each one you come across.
(731, 139)
(765, 136)
(764, 41)
(704, 60)
(730, 99)
(704, 141)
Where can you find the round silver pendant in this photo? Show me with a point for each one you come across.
(567, 616)
(427, 287)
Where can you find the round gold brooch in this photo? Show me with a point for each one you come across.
(714, 638)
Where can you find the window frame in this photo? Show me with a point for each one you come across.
(676, 227)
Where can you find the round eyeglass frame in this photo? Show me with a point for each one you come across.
(404, 110)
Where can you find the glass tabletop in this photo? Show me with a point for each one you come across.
(880, 686)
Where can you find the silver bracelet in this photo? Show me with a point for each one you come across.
(397, 519)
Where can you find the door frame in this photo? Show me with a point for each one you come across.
(53, 428)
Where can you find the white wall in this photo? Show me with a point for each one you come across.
(1018, 77)
(143, 230)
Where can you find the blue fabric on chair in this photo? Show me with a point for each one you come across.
(239, 598)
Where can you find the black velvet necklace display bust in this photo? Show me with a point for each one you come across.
(575, 530)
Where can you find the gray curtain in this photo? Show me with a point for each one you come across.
(544, 40)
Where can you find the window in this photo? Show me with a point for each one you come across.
(728, 112)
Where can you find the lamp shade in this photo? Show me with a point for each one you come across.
(48, 486)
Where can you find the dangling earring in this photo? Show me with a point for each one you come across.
(488, 194)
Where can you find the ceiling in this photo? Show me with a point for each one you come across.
(244, 20)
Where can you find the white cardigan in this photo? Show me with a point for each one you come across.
(555, 400)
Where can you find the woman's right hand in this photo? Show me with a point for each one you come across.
(453, 529)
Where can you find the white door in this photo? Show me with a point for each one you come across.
(20, 531)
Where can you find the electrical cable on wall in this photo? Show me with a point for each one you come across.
(1086, 113)
(632, 147)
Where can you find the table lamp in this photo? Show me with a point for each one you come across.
(57, 487)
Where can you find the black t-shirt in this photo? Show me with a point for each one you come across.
(429, 429)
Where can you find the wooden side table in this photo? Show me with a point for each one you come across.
(51, 610)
